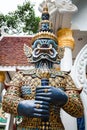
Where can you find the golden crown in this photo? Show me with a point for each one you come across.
(44, 35)
(48, 33)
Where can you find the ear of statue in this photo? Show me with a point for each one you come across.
(27, 51)
(61, 52)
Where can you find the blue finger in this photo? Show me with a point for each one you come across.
(41, 115)
(43, 87)
(42, 98)
(41, 102)
(41, 111)
(44, 94)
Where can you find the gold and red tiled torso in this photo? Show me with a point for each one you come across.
(62, 80)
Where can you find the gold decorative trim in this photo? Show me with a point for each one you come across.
(65, 38)
(44, 35)
(45, 9)
(2, 76)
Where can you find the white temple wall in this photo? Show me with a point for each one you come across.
(79, 19)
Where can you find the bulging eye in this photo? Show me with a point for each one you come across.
(38, 45)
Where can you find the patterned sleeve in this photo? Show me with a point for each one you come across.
(13, 95)
(74, 105)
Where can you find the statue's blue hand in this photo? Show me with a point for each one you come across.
(51, 95)
(33, 108)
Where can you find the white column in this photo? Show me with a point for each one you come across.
(66, 65)
(66, 61)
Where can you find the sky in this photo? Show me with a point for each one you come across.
(11, 5)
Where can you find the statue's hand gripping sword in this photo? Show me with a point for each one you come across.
(44, 75)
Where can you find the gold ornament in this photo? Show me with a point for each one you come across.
(65, 38)
(45, 9)
(2, 76)
(44, 34)
(46, 90)
(37, 106)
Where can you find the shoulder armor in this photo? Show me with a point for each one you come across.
(16, 79)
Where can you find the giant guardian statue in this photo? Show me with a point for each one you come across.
(38, 94)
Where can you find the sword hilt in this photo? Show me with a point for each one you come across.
(45, 121)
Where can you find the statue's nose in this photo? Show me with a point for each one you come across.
(45, 46)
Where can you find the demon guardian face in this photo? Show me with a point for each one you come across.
(44, 52)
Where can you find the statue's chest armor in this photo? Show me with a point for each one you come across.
(29, 85)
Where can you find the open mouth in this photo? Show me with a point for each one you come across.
(44, 64)
(44, 53)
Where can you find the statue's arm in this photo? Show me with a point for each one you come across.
(14, 103)
(12, 96)
(74, 105)
(11, 100)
